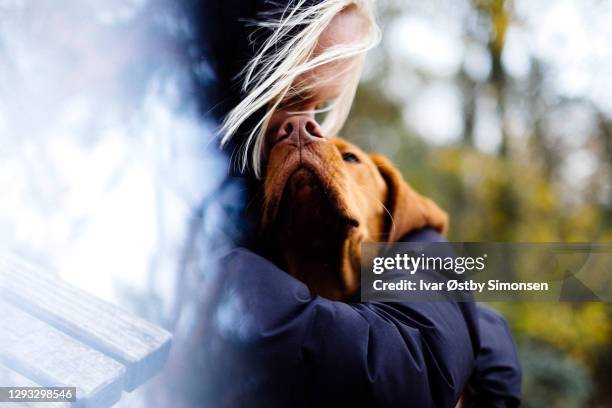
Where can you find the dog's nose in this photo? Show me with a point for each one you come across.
(299, 130)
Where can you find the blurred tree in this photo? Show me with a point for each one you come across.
(497, 13)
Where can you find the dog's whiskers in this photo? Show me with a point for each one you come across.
(381, 203)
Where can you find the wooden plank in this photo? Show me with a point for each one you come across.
(52, 358)
(139, 345)
(10, 378)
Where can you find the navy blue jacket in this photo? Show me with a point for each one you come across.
(257, 338)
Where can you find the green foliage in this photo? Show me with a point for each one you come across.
(551, 379)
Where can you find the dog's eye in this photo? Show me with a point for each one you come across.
(350, 157)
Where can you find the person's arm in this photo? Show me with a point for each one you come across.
(261, 339)
(496, 381)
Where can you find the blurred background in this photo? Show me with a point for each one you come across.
(500, 110)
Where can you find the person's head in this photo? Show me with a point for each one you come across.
(310, 64)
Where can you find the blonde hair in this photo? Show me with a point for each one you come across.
(285, 55)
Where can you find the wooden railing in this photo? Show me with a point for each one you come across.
(54, 334)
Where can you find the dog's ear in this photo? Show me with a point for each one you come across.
(408, 210)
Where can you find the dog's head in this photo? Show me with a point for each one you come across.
(323, 197)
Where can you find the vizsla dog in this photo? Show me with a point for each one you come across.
(323, 197)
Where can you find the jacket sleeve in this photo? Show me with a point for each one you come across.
(497, 376)
(496, 381)
(268, 342)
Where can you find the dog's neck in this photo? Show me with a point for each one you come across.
(324, 265)
(312, 239)
(313, 243)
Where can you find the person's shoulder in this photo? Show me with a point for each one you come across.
(424, 235)
(491, 317)
(242, 255)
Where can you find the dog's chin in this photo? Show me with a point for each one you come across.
(307, 205)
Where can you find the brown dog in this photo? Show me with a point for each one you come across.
(323, 197)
